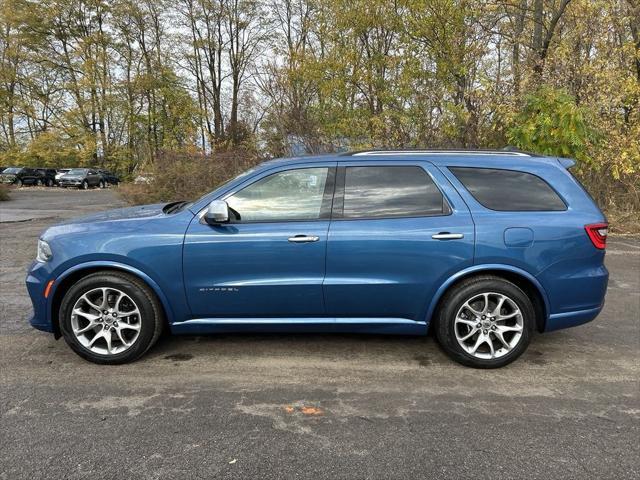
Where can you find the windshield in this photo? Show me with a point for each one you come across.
(234, 179)
(77, 171)
(11, 170)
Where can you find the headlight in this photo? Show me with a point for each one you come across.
(44, 252)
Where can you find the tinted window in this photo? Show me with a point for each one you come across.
(371, 192)
(289, 195)
(508, 190)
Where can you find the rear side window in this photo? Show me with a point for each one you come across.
(508, 190)
(401, 191)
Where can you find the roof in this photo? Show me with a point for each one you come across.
(439, 157)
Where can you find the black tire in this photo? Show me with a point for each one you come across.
(152, 315)
(38, 183)
(49, 182)
(101, 184)
(85, 185)
(455, 298)
(19, 182)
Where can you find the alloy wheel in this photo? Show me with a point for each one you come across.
(106, 321)
(489, 325)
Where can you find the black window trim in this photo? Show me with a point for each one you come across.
(338, 200)
(325, 208)
(562, 199)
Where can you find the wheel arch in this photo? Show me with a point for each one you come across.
(523, 279)
(72, 275)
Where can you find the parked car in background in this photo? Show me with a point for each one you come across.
(59, 173)
(487, 247)
(109, 177)
(48, 176)
(82, 178)
(21, 176)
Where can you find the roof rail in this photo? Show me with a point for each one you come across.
(375, 152)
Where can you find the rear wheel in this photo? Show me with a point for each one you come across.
(49, 182)
(38, 183)
(110, 318)
(485, 322)
(101, 184)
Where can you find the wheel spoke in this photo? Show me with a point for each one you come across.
(496, 311)
(107, 337)
(479, 341)
(91, 303)
(116, 307)
(490, 343)
(120, 337)
(473, 310)
(469, 335)
(89, 316)
(129, 326)
(90, 326)
(508, 316)
(505, 328)
(485, 310)
(97, 336)
(500, 337)
(466, 322)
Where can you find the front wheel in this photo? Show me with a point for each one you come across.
(19, 182)
(38, 183)
(485, 322)
(49, 183)
(110, 318)
(85, 185)
(102, 184)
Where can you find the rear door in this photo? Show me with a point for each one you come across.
(398, 231)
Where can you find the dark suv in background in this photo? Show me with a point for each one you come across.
(21, 176)
(48, 176)
(82, 178)
(109, 177)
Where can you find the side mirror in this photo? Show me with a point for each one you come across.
(217, 213)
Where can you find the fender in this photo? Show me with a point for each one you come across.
(114, 265)
(479, 269)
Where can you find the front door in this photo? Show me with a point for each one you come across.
(269, 261)
(398, 231)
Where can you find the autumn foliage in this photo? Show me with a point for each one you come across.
(127, 84)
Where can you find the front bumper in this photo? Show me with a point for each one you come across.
(69, 183)
(37, 278)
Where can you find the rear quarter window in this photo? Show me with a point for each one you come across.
(509, 190)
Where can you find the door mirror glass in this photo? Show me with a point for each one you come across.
(217, 212)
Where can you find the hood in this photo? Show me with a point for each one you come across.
(72, 176)
(129, 213)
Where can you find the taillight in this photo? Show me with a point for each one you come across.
(598, 234)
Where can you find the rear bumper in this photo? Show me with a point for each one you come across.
(558, 321)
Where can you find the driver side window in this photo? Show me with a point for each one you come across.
(301, 194)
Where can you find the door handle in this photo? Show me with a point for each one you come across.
(447, 236)
(304, 239)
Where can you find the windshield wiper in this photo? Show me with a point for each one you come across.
(174, 207)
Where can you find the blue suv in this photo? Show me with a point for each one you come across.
(485, 248)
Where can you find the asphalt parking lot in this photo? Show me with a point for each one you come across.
(312, 406)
